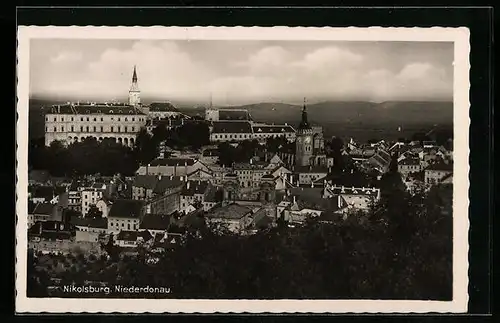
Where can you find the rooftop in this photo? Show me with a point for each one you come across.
(155, 222)
(441, 166)
(232, 127)
(272, 129)
(193, 187)
(99, 223)
(173, 162)
(127, 235)
(162, 107)
(44, 208)
(233, 115)
(311, 169)
(229, 212)
(95, 108)
(126, 209)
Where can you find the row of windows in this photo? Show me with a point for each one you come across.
(95, 119)
(95, 128)
(247, 136)
(117, 225)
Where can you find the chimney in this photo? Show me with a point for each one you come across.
(339, 201)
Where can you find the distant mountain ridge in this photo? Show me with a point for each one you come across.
(361, 112)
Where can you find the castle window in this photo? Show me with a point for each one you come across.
(55, 119)
(133, 128)
(95, 119)
(126, 119)
(119, 118)
(81, 119)
(72, 119)
(111, 111)
(125, 129)
(102, 119)
(55, 129)
(88, 117)
(46, 118)
(111, 128)
(119, 126)
(46, 129)
(102, 128)
(62, 119)
(95, 128)
(81, 128)
(72, 128)
(87, 128)
(133, 119)
(62, 128)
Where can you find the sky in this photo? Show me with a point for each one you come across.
(242, 72)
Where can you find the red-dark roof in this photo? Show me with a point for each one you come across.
(162, 107)
(232, 127)
(126, 209)
(227, 114)
(127, 236)
(441, 166)
(155, 222)
(145, 181)
(195, 187)
(98, 108)
(173, 162)
(272, 129)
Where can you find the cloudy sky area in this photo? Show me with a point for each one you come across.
(239, 72)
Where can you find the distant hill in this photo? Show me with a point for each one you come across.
(396, 112)
(358, 119)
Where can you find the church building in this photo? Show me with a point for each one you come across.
(309, 144)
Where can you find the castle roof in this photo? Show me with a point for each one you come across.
(95, 109)
(232, 127)
(272, 129)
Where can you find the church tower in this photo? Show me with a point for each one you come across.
(134, 94)
(304, 141)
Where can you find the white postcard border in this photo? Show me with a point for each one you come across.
(460, 37)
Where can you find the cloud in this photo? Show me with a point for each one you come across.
(66, 57)
(171, 70)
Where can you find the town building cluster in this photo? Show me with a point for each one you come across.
(189, 190)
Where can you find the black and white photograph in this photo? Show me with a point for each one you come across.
(218, 169)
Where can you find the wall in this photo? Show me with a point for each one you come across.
(99, 126)
(115, 225)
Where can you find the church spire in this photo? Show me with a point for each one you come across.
(134, 94)
(304, 124)
(134, 77)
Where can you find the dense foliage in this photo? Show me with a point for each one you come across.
(402, 249)
(108, 157)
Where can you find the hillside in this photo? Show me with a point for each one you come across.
(361, 120)
(356, 112)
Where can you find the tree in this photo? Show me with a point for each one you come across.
(145, 147)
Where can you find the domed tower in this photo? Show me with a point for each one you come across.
(134, 94)
(304, 141)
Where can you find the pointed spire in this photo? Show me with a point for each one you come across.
(304, 124)
(134, 77)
